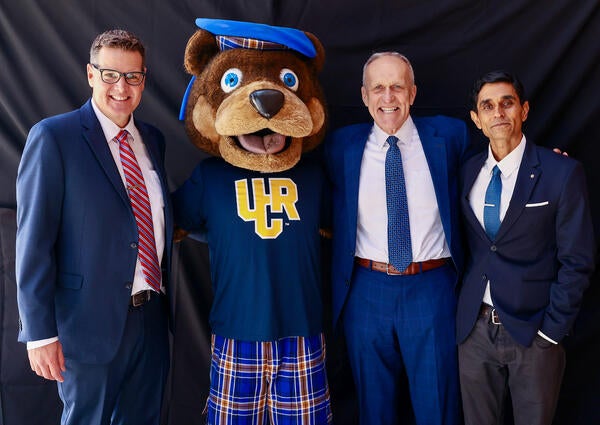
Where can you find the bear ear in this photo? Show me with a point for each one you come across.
(318, 60)
(200, 49)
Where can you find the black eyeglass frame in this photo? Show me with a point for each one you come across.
(121, 74)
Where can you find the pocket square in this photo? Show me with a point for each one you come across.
(536, 204)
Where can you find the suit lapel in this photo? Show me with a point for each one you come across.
(153, 150)
(470, 173)
(529, 175)
(434, 148)
(352, 161)
(93, 134)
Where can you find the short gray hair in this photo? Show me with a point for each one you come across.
(378, 55)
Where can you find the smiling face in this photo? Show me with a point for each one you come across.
(388, 92)
(117, 101)
(257, 109)
(500, 115)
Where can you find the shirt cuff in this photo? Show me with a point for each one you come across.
(540, 333)
(41, 342)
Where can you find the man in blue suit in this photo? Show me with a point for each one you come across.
(531, 253)
(397, 318)
(94, 244)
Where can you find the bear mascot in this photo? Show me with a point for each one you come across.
(255, 105)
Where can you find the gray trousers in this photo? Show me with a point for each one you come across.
(492, 365)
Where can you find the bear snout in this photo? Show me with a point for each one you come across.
(267, 102)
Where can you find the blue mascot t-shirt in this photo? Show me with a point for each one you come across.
(262, 231)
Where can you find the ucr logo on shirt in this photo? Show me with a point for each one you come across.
(281, 196)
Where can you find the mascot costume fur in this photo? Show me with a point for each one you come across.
(255, 104)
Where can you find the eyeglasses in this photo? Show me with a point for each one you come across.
(110, 76)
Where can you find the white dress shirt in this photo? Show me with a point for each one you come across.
(427, 234)
(509, 169)
(155, 196)
(153, 186)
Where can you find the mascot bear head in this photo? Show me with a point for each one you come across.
(254, 98)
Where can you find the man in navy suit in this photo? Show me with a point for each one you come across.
(397, 322)
(94, 244)
(531, 252)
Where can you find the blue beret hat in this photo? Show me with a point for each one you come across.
(250, 35)
(290, 38)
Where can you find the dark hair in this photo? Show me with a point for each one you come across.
(497, 76)
(119, 39)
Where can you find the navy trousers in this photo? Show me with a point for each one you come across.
(129, 389)
(398, 326)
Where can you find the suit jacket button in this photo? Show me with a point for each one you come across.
(493, 248)
(133, 245)
(128, 286)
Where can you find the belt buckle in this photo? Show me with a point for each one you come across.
(140, 298)
(387, 270)
(494, 318)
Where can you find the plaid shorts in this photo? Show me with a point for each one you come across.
(279, 382)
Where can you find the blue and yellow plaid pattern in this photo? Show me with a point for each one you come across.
(280, 382)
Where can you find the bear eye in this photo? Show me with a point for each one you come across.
(289, 78)
(231, 79)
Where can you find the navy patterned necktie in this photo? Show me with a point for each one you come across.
(399, 242)
(491, 208)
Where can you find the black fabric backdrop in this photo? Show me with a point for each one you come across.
(554, 47)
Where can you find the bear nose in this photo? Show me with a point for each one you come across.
(267, 101)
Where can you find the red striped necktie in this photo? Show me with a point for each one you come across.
(140, 203)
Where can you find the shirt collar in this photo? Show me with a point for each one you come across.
(404, 133)
(510, 163)
(109, 128)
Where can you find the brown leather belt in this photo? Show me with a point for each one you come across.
(413, 268)
(487, 311)
(141, 298)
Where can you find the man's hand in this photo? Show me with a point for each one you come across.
(48, 361)
(179, 234)
(558, 151)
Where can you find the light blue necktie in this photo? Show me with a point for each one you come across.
(491, 208)
(399, 244)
